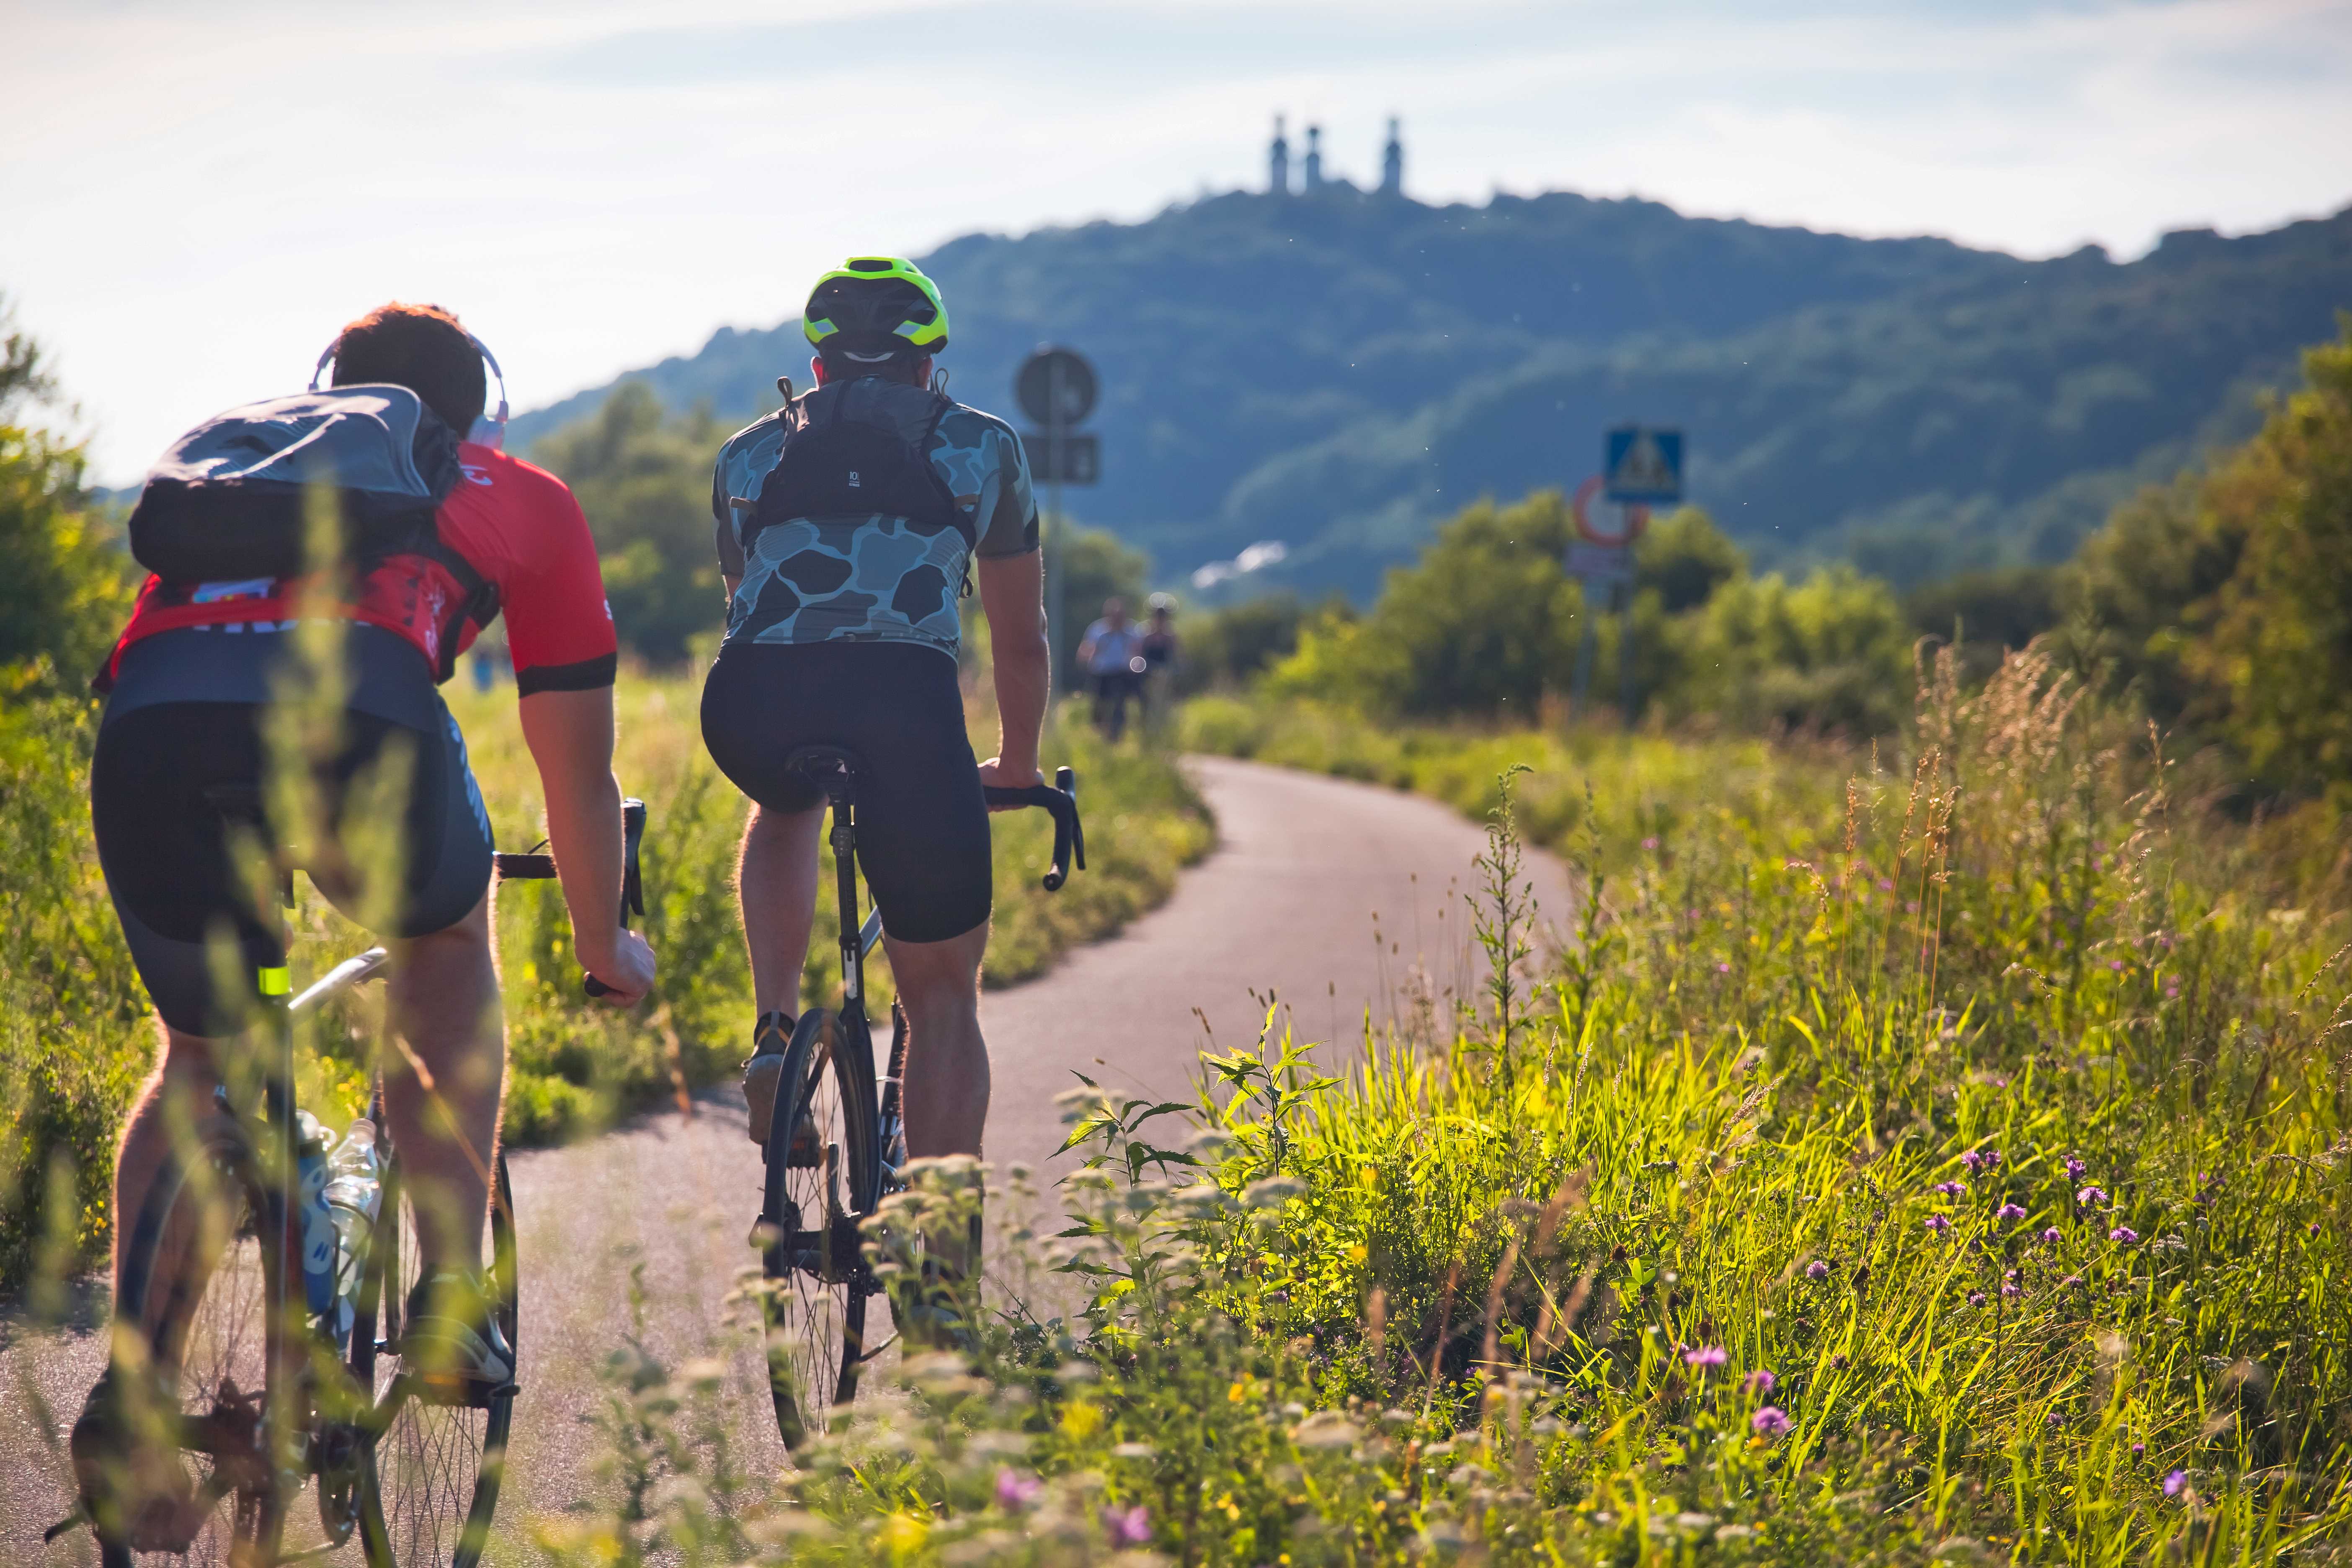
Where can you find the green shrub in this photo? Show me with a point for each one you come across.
(2225, 602)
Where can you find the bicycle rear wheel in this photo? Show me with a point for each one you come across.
(824, 1170)
(199, 1287)
(436, 1467)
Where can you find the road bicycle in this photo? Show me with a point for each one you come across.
(259, 1397)
(836, 1140)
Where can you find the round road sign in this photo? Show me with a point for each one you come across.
(1637, 516)
(1052, 370)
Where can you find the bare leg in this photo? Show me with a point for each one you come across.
(776, 883)
(445, 1119)
(946, 1091)
(176, 1096)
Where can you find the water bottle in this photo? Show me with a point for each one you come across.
(354, 1197)
(315, 1228)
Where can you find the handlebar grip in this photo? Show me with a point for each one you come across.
(1062, 804)
(632, 891)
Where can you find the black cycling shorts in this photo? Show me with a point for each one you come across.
(922, 822)
(183, 737)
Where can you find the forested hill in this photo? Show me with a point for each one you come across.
(1338, 371)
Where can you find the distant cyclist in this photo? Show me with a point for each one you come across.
(186, 726)
(1112, 655)
(847, 522)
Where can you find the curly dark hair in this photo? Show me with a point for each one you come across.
(422, 348)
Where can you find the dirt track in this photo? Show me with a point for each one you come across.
(1330, 896)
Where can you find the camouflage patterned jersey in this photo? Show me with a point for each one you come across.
(869, 578)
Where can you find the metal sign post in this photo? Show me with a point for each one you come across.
(1057, 388)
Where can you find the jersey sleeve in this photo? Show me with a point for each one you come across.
(559, 625)
(1006, 516)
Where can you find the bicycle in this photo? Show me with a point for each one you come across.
(270, 1393)
(821, 1187)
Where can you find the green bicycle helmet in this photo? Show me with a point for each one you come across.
(875, 307)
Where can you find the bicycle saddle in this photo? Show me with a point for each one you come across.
(832, 769)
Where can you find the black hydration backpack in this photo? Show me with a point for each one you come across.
(231, 499)
(835, 463)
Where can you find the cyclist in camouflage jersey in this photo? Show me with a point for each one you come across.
(843, 629)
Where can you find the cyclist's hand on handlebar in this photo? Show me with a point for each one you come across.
(995, 775)
(627, 972)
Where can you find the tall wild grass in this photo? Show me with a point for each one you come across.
(1953, 1168)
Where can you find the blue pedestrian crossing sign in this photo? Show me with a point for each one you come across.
(1643, 465)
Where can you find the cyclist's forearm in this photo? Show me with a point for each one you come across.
(1024, 685)
(570, 738)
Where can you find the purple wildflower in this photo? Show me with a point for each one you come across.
(2069, 1282)
(1016, 1491)
(1886, 886)
(1769, 1421)
(1938, 1224)
(2090, 1196)
(1127, 1526)
(2074, 1169)
(1817, 1270)
(2053, 1235)
(2054, 1419)
(2008, 1211)
(1704, 1356)
(2116, 965)
(1950, 1189)
(1722, 968)
(2139, 1451)
(2315, 1227)
(1972, 1159)
(1761, 1382)
(1649, 843)
(2174, 1482)
(1976, 1297)
(1992, 1159)
(2123, 1234)
(2009, 1292)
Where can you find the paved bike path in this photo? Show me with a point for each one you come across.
(1334, 897)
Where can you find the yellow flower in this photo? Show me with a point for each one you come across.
(1080, 1419)
(1238, 1392)
(902, 1534)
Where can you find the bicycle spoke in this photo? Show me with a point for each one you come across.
(205, 1312)
(436, 1464)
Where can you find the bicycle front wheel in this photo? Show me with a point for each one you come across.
(823, 1172)
(437, 1465)
(200, 1287)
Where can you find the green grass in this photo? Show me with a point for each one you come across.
(76, 1037)
(1990, 1109)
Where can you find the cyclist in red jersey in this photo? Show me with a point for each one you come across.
(190, 687)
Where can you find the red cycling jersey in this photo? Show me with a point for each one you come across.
(516, 524)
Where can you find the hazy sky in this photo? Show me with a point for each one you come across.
(195, 196)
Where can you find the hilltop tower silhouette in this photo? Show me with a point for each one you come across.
(1314, 159)
(1393, 163)
(1278, 162)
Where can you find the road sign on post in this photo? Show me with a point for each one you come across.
(1603, 563)
(1075, 459)
(1643, 465)
(1056, 387)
